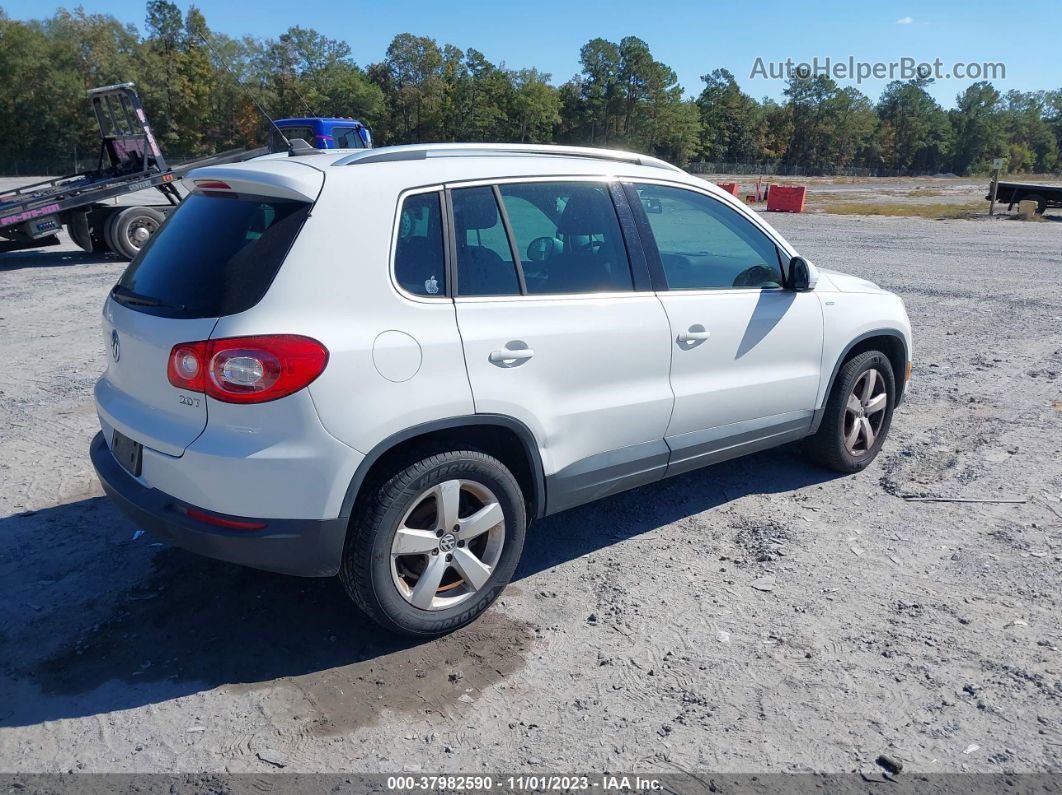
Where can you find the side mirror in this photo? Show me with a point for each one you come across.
(800, 275)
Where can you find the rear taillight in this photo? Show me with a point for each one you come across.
(247, 369)
(186, 367)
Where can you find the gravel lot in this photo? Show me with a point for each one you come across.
(632, 637)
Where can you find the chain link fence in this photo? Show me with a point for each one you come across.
(784, 170)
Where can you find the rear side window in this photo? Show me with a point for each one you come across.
(215, 256)
(420, 267)
(485, 263)
(277, 143)
(568, 237)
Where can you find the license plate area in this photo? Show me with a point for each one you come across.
(128, 453)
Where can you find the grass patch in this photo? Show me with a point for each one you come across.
(902, 209)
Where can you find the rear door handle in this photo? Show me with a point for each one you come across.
(694, 334)
(505, 356)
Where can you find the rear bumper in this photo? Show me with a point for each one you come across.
(308, 548)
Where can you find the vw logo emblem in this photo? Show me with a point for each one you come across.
(448, 542)
(116, 347)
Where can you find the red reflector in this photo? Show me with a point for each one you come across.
(211, 184)
(235, 524)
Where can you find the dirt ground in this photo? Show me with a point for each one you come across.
(639, 633)
(923, 196)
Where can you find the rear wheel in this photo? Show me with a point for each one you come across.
(436, 543)
(857, 415)
(128, 230)
(78, 229)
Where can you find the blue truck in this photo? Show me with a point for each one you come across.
(321, 132)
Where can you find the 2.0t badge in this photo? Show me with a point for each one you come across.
(116, 347)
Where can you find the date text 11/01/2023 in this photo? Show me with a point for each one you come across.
(510, 783)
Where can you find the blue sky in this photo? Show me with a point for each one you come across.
(692, 37)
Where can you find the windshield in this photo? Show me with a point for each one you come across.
(216, 255)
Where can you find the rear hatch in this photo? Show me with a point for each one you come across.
(216, 255)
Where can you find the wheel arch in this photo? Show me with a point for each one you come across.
(504, 437)
(890, 342)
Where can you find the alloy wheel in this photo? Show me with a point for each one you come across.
(447, 544)
(864, 413)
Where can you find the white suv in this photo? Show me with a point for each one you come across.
(385, 364)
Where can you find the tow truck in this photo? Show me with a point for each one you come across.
(130, 160)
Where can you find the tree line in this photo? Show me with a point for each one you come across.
(199, 86)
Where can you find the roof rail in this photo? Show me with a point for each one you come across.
(389, 154)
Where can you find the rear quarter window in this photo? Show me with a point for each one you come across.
(216, 255)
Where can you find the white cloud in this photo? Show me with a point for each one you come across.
(904, 21)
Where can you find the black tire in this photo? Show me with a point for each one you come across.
(122, 228)
(827, 446)
(78, 229)
(366, 569)
(108, 230)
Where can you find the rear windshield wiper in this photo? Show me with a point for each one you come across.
(124, 295)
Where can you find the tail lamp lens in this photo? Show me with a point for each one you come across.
(185, 368)
(247, 369)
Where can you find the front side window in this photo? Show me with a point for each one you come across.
(568, 237)
(485, 262)
(705, 245)
(420, 266)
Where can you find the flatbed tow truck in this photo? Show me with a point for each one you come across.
(129, 161)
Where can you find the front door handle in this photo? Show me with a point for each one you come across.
(696, 333)
(509, 356)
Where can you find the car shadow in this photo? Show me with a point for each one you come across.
(87, 633)
(769, 310)
(51, 258)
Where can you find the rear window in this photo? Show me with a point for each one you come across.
(278, 144)
(215, 256)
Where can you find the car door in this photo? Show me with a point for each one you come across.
(746, 351)
(560, 334)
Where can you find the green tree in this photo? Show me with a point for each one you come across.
(1031, 141)
(979, 128)
(730, 120)
(534, 106)
(411, 79)
(916, 133)
(600, 87)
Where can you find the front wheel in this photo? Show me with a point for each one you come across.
(857, 415)
(436, 543)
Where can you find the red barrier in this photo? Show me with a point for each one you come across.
(729, 187)
(786, 198)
